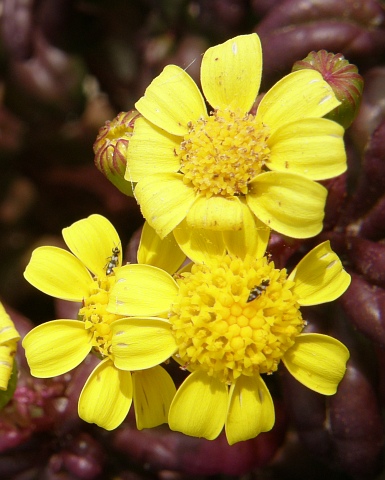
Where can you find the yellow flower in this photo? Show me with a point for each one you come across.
(233, 319)
(9, 337)
(200, 170)
(86, 275)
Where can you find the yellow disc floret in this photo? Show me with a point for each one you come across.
(95, 316)
(235, 317)
(221, 154)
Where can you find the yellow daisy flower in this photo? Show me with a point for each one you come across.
(202, 170)
(9, 337)
(233, 319)
(87, 275)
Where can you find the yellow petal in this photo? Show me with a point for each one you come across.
(215, 213)
(162, 253)
(317, 361)
(7, 354)
(58, 273)
(319, 277)
(151, 150)
(92, 240)
(312, 147)
(301, 94)
(199, 407)
(56, 347)
(251, 240)
(288, 203)
(140, 343)
(172, 100)
(198, 244)
(231, 73)
(251, 409)
(164, 200)
(8, 331)
(154, 390)
(106, 397)
(142, 290)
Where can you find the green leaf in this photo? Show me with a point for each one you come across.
(6, 395)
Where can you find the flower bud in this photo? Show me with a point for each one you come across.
(344, 79)
(110, 149)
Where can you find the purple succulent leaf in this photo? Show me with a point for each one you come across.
(335, 428)
(372, 224)
(335, 200)
(364, 210)
(17, 24)
(163, 449)
(368, 259)
(372, 109)
(262, 7)
(290, 31)
(365, 306)
(289, 12)
(83, 458)
(356, 423)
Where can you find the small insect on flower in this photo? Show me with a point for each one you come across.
(256, 291)
(113, 260)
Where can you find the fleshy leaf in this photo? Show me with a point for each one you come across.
(10, 385)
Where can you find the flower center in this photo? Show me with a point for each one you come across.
(235, 317)
(222, 154)
(95, 316)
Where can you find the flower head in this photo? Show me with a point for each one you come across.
(200, 170)
(9, 337)
(87, 275)
(235, 318)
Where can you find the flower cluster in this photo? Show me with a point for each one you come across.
(211, 186)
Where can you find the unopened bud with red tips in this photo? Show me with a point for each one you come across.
(110, 149)
(344, 79)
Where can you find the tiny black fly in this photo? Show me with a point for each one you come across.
(256, 291)
(113, 260)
